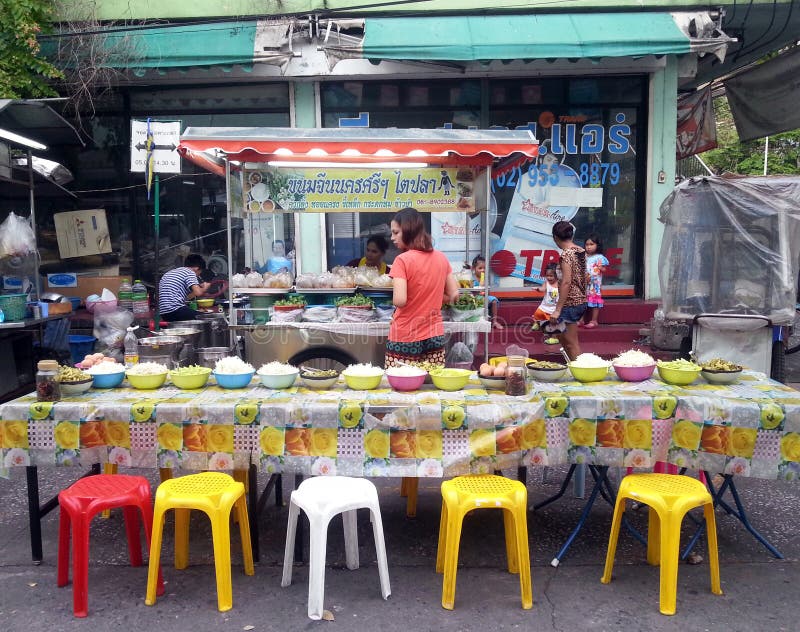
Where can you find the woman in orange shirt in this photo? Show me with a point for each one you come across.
(421, 281)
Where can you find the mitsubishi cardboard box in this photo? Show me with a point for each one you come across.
(82, 233)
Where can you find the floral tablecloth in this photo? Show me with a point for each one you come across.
(748, 429)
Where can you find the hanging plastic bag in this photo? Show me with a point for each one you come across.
(459, 356)
(110, 329)
(17, 238)
(384, 312)
(354, 314)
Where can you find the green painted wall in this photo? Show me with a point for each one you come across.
(664, 112)
(309, 224)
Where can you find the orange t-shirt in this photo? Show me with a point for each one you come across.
(425, 274)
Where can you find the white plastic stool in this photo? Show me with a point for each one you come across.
(322, 498)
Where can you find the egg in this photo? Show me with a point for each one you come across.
(500, 370)
(486, 369)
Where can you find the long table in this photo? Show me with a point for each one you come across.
(748, 429)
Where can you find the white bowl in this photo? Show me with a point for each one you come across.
(721, 377)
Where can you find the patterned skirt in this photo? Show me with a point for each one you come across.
(428, 350)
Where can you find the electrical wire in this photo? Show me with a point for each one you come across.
(144, 184)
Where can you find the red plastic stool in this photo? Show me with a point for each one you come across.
(79, 503)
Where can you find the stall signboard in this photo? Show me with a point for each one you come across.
(352, 190)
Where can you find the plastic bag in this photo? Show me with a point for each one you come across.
(253, 279)
(319, 314)
(459, 354)
(354, 314)
(384, 313)
(17, 238)
(287, 315)
(466, 315)
(110, 329)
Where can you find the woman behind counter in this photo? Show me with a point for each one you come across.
(373, 255)
(421, 281)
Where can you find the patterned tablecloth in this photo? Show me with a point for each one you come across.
(748, 429)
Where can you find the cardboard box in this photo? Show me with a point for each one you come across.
(88, 285)
(82, 233)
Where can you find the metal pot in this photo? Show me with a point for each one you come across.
(159, 346)
(208, 356)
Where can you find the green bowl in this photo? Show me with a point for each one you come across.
(191, 382)
(147, 382)
(362, 382)
(589, 374)
(678, 377)
(450, 379)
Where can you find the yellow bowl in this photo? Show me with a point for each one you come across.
(205, 302)
(362, 382)
(589, 374)
(191, 382)
(147, 382)
(450, 379)
(678, 377)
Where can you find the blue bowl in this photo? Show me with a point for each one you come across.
(234, 380)
(108, 380)
(76, 302)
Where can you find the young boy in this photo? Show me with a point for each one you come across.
(478, 279)
(541, 317)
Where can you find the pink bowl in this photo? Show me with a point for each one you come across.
(406, 382)
(634, 373)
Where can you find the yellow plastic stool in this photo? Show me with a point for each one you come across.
(669, 497)
(485, 491)
(497, 360)
(215, 494)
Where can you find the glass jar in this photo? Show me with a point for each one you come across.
(48, 388)
(516, 376)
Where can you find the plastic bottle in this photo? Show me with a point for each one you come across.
(141, 304)
(125, 295)
(131, 344)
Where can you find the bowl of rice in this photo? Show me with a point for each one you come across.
(277, 374)
(634, 366)
(106, 374)
(146, 376)
(233, 372)
(363, 377)
(405, 378)
(588, 367)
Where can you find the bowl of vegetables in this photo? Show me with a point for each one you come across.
(73, 381)
(544, 371)
(719, 371)
(450, 379)
(190, 377)
(634, 366)
(319, 378)
(147, 376)
(290, 303)
(233, 372)
(277, 374)
(678, 372)
(467, 302)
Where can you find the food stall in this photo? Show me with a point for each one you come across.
(276, 175)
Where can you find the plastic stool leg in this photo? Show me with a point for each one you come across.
(411, 502)
(288, 554)
(80, 565)
(220, 532)
(108, 468)
(441, 549)
(154, 564)
(350, 519)
(404, 487)
(316, 566)
(131, 517)
(182, 518)
(380, 549)
(511, 541)
(713, 553)
(670, 551)
(454, 520)
(164, 473)
(244, 535)
(653, 537)
(616, 521)
(147, 522)
(520, 518)
(63, 547)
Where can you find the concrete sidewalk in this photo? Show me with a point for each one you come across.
(760, 591)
